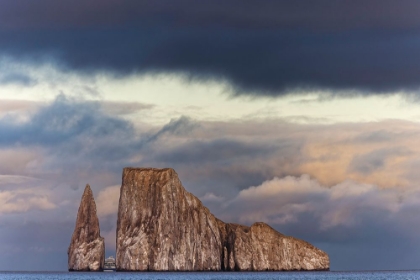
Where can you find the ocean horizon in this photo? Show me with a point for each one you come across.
(270, 275)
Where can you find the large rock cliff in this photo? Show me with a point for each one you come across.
(87, 248)
(260, 247)
(162, 227)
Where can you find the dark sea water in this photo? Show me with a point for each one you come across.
(211, 276)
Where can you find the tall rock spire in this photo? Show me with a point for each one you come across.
(87, 248)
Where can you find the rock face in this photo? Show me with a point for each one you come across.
(162, 227)
(87, 248)
(260, 247)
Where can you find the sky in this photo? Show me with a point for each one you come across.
(304, 114)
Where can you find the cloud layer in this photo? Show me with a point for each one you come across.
(270, 49)
(350, 213)
(342, 186)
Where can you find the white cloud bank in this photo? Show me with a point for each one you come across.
(287, 200)
(24, 200)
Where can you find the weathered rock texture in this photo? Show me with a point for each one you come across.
(162, 227)
(87, 247)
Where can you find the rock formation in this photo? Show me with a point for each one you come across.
(162, 227)
(260, 247)
(87, 248)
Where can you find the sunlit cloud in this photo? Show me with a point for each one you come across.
(21, 201)
(107, 200)
(286, 200)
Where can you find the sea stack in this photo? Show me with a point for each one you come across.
(87, 248)
(162, 227)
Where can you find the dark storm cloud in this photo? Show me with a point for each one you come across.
(62, 121)
(259, 47)
(307, 14)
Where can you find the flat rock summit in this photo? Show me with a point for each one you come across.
(87, 248)
(162, 227)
